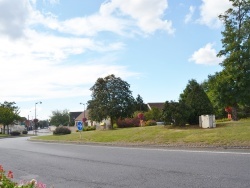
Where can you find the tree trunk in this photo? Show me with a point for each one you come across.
(3, 129)
(234, 114)
(110, 127)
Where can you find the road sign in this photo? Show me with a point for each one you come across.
(79, 125)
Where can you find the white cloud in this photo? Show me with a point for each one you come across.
(37, 65)
(189, 16)
(147, 14)
(210, 10)
(53, 1)
(117, 16)
(206, 55)
(13, 17)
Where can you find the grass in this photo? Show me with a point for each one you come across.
(3, 135)
(225, 134)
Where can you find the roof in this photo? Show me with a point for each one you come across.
(82, 115)
(159, 105)
(74, 115)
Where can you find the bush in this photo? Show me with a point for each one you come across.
(176, 112)
(25, 132)
(89, 128)
(61, 131)
(14, 133)
(128, 122)
(150, 123)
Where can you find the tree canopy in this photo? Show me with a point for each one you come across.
(140, 105)
(195, 97)
(111, 98)
(59, 118)
(233, 83)
(176, 113)
(8, 113)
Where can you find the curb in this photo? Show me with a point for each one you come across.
(182, 146)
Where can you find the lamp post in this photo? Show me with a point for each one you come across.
(84, 119)
(69, 119)
(84, 109)
(35, 113)
(35, 107)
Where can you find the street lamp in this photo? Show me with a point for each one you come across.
(35, 107)
(35, 113)
(84, 109)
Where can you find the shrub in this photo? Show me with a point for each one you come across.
(176, 112)
(128, 122)
(25, 132)
(89, 128)
(150, 123)
(155, 114)
(14, 133)
(61, 131)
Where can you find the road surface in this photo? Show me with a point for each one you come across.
(92, 166)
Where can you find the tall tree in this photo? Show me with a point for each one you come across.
(140, 105)
(59, 118)
(236, 50)
(111, 98)
(8, 114)
(195, 97)
(216, 89)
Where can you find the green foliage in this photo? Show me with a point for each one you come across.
(140, 105)
(233, 86)
(8, 113)
(44, 123)
(61, 130)
(111, 98)
(89, 128)
(15, 133)
(59, 118)
(177, 113)
(195, 97)
(7, 182)
(215, 89)
(150, 123)
(25, 132)
(154, 114)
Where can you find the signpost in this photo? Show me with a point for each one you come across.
(80, 127)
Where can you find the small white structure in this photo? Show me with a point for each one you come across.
(207, 121)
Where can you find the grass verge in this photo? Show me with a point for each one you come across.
(225, 134)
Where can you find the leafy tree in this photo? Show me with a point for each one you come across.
(8, 114)
(111, 98)
(176, 113)
(43, 123)
(236, 50)
(195, 97)
(140, 105)
(59, 118)
(154, 114)
(215, 88)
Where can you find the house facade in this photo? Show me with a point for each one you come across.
(89, 122)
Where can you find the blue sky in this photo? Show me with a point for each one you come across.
(54, 50)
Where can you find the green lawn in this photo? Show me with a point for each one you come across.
(225, 134)
(3, 135)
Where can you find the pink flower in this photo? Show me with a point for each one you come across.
(1, 168)
(10, 174)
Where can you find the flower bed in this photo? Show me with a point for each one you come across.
(6, 181)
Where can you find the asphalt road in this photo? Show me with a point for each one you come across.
(80, 166)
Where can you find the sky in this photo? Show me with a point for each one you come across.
(53, 51)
